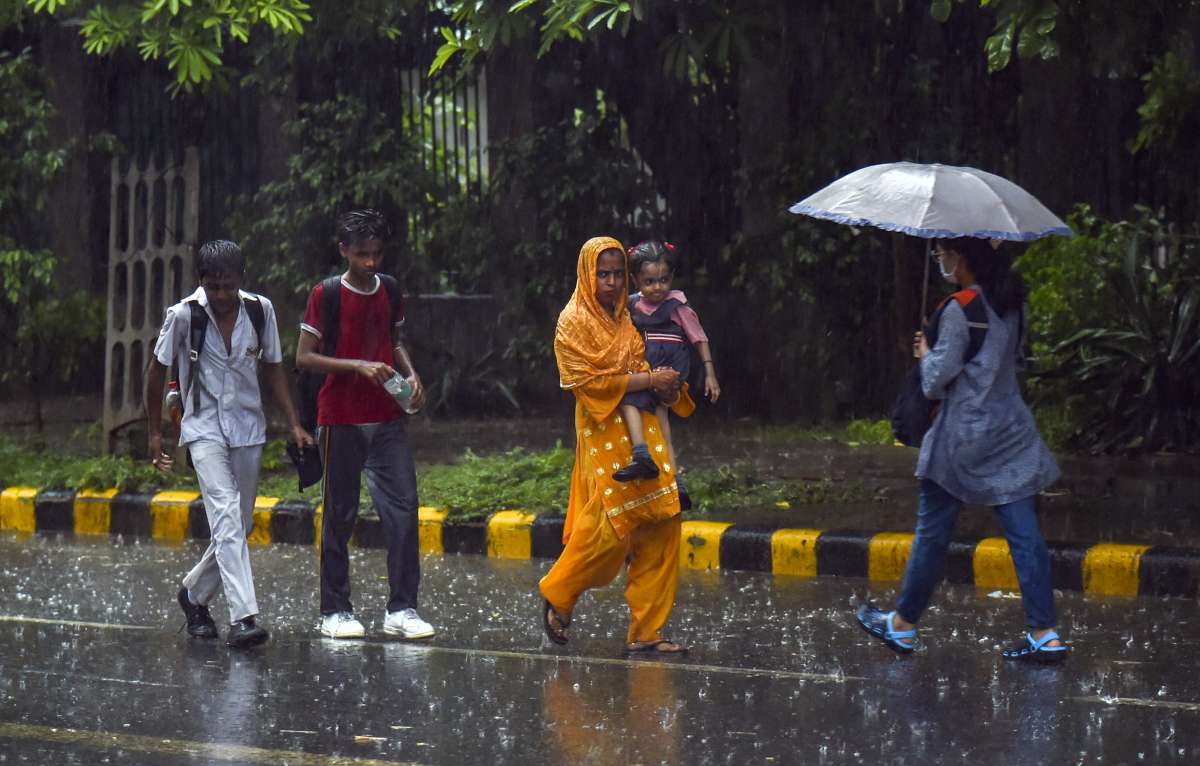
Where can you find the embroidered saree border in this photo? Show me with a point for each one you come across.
(634, 503)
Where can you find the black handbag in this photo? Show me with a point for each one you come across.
(912, 413)
(308, 464)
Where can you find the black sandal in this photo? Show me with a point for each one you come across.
(654, 647)
(1030, 650)
(557, 635)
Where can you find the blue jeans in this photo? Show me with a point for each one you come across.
(935, 525)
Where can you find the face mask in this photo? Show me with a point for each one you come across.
(946, 275)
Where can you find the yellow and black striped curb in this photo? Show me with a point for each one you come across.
(1104, 568)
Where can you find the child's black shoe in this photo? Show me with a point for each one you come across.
(641, 467)
(685, 502)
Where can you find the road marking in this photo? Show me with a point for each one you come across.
(103, 740)
(78, 676)
(1138, 702)
(73, 623)
(794, 552)
(887, 555)
(1113, 569)
(700, 544)
(510, 535)
(429, 530)
(993, 565)
(673, 665)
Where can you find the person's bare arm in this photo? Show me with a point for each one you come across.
(309, 358)
(156, 379)
(663, 381)
(712, 389)
(278, 383)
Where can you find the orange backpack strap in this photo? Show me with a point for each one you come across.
(974, 307)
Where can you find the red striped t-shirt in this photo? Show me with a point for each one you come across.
(364, 332)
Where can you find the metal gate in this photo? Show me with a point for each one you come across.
(152, 238)
(447, 120)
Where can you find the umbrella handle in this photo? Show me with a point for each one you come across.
(925, 284)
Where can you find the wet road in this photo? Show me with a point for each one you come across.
(92, 670)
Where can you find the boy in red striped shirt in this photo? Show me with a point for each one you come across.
(361, 427)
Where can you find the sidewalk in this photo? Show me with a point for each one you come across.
(1153, 500)
(1116, 525)
(1103, 569)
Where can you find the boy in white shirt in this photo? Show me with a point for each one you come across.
(218, 336)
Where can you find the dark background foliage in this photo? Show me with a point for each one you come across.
(699, 121)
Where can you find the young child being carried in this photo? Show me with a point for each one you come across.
(668, 325)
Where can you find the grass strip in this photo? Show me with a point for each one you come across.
(472, 487)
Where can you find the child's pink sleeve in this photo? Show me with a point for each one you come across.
(686, 318)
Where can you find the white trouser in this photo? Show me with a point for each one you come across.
(229, 483)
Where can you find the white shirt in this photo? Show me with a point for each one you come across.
(230, 401)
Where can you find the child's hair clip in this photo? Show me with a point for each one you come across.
(669, 246)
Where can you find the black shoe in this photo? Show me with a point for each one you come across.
(685, 502)
(199, 622)
(638, 468)
(244, 634)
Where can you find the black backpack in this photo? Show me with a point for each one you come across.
(198, 328)
(912, 413)
(308, 382)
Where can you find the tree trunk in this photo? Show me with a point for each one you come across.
(76, 238)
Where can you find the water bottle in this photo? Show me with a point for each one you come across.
(401, 389)
(174, 404)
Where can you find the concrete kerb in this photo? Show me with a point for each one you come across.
(1102, 568)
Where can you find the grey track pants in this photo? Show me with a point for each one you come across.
(229, 484)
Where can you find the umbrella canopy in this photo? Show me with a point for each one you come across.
(933, 201)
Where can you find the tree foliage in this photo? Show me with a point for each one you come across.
(706, 116)
(1116, 333)
(1172, 106)
(347, 155)
(44, 333)
(30, 160)
(1141, 372)
(190, 35)
(1024, 26)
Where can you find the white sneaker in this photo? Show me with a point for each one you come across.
(341, 625)
(406, 624)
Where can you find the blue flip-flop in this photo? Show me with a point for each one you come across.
(879, 624)
(1037, 651)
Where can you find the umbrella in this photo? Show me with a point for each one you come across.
(933, 201)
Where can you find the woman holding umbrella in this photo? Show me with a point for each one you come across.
(982, 448)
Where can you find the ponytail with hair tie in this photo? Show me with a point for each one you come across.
(650, 251)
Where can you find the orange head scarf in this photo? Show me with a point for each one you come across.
(589, 342)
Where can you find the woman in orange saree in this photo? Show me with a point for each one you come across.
(601, 357)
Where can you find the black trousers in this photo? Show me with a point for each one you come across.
(380, 451)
